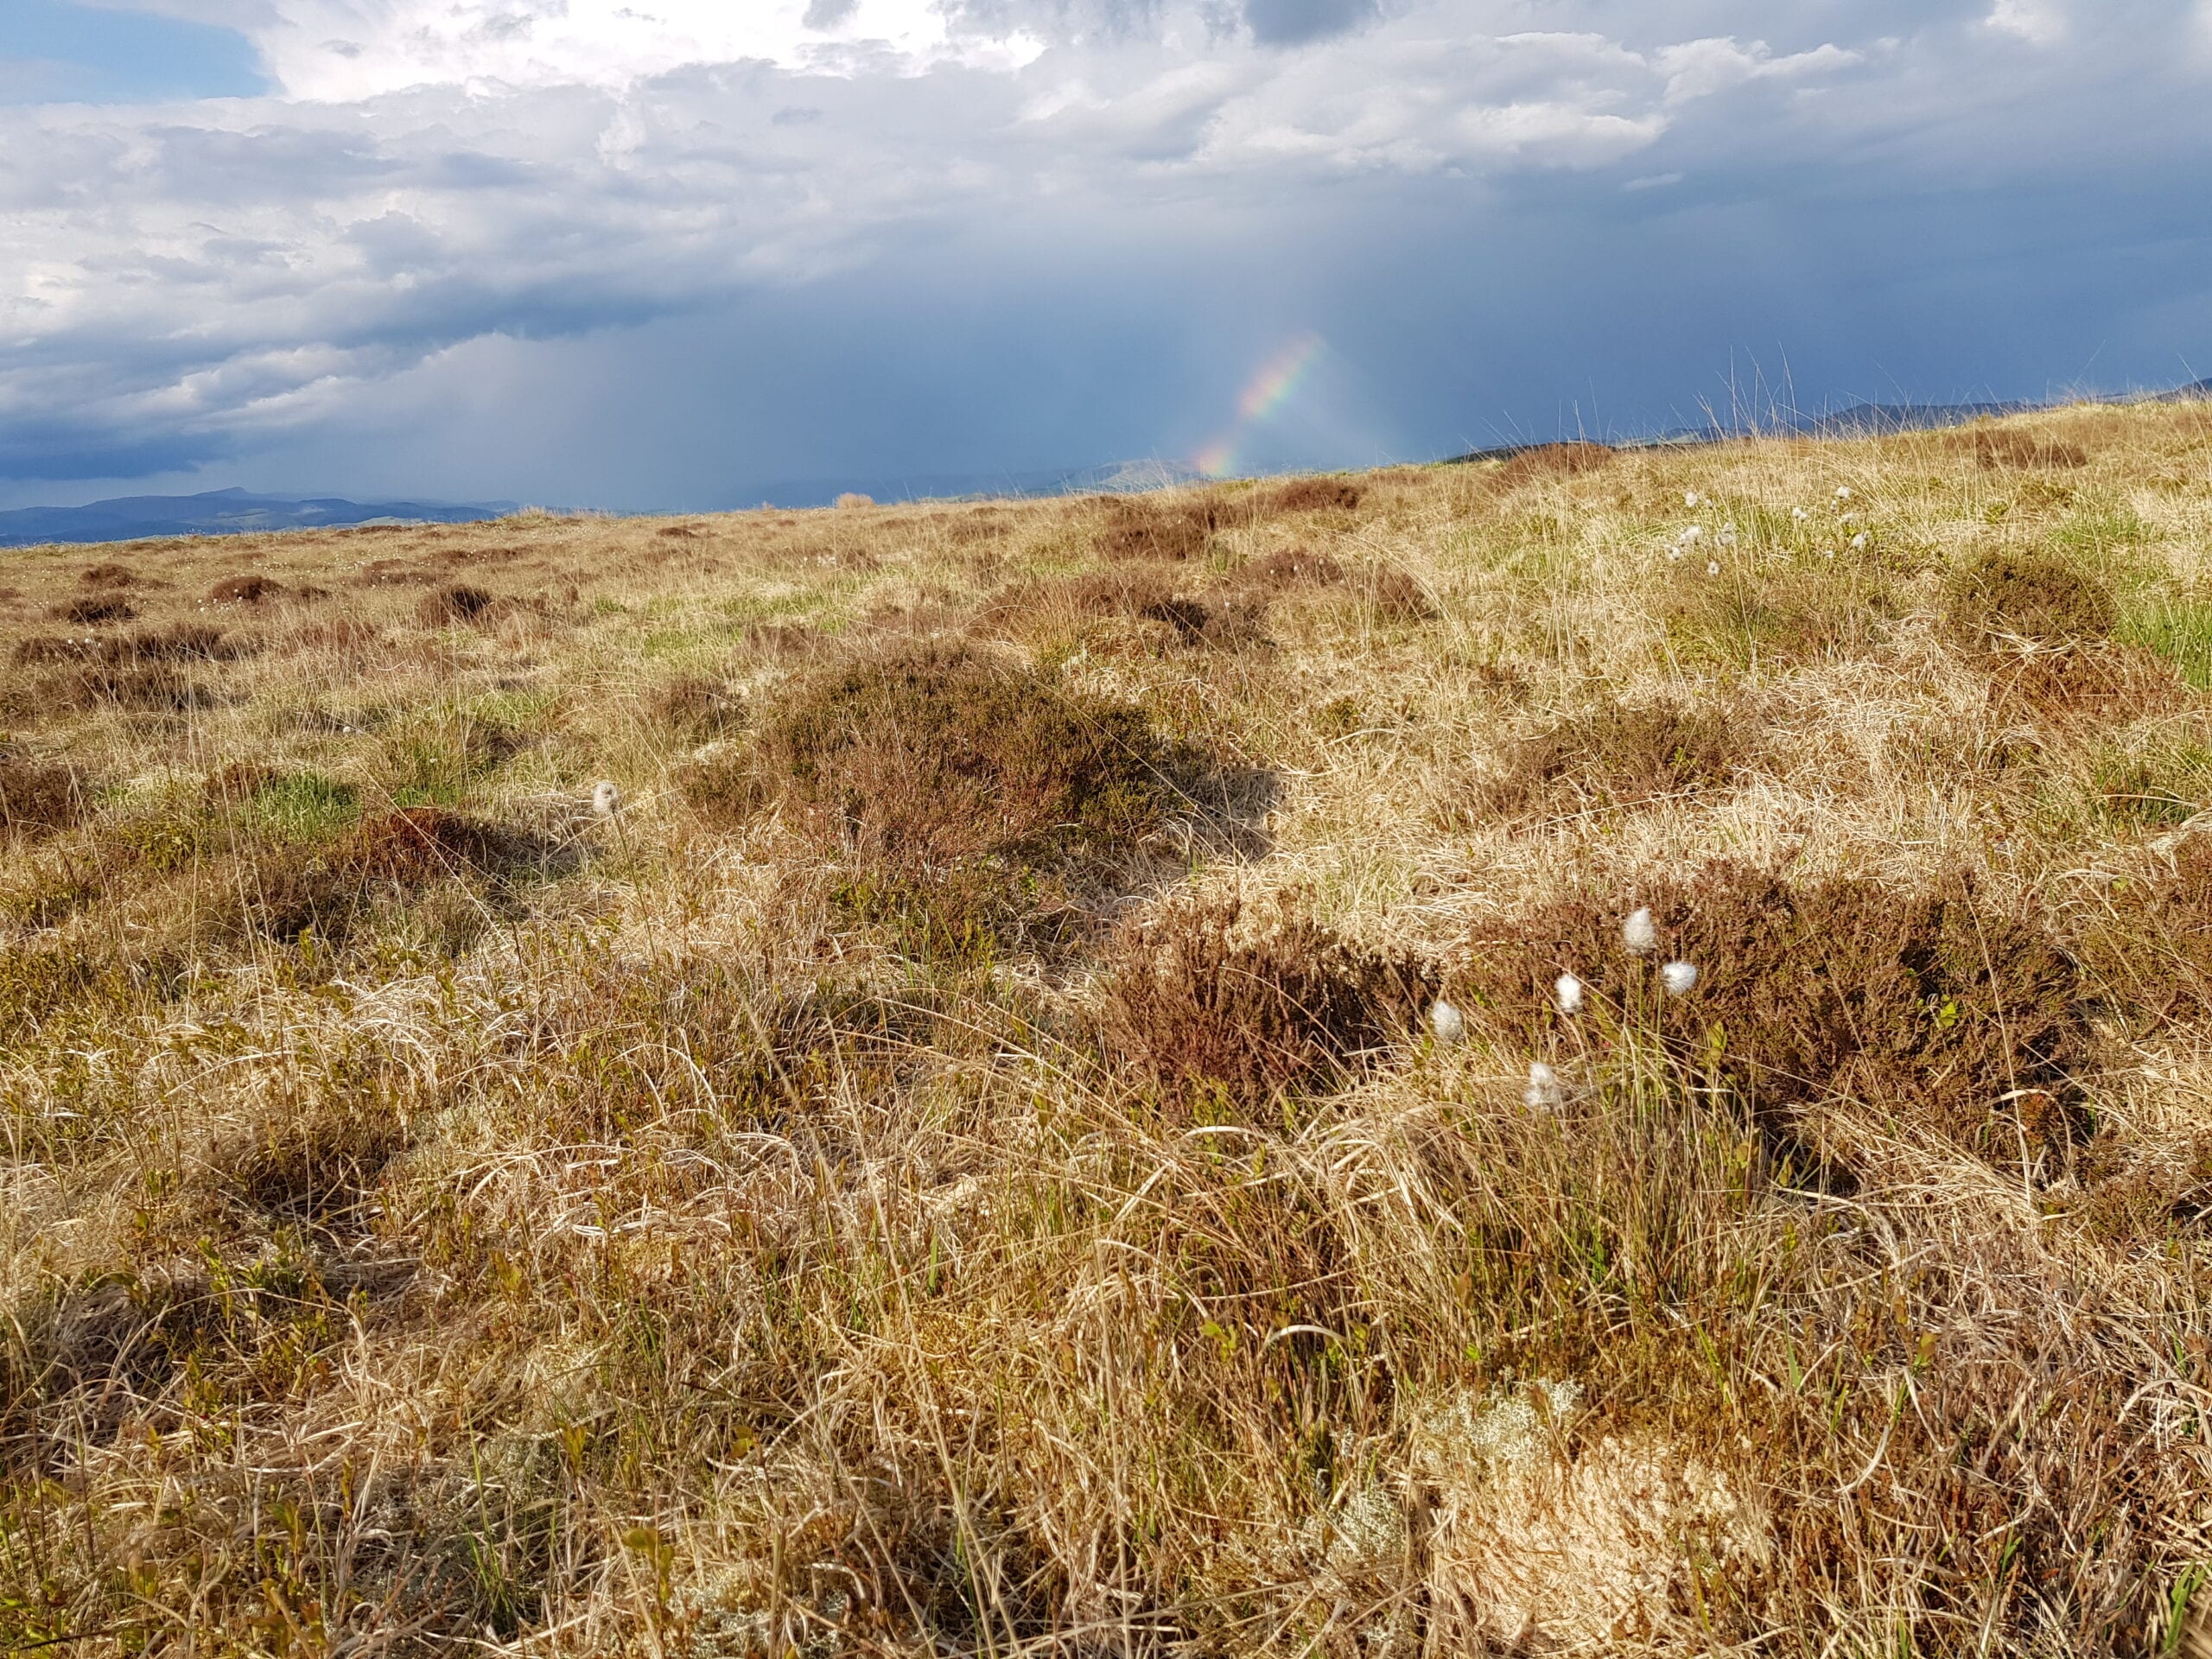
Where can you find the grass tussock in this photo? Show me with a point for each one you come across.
(727, 1113)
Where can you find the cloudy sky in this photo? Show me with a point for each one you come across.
(671, 253)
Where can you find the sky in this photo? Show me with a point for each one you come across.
(681, 255)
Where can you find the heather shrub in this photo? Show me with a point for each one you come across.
(2002, 446)
(1932, 1008)
(1234, 1004)
(951, 786)
(2148, 946)
(457, 602)
(696, 705)
(1150, 529)
(1393, 596)
(38, 797)
(1289, 566)
(2005, 597)
(1551, 460)
(92, 609)
(1620, 755)
(1311, 495)
(246, 590)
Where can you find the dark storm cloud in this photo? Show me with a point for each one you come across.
(1499, 214)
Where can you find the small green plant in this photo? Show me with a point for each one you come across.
(2178, 627)
(301, 806)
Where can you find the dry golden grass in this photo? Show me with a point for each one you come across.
(948, 1153)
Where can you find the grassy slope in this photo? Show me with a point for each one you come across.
(567, 1233)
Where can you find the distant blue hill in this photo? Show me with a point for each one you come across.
(222, 513)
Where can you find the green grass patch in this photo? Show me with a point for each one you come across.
(2154, 786)
(303, 806)
(2177, 627)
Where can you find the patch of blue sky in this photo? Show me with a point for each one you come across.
(56, 51)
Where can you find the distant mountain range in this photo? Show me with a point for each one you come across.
(1116, 478)
(222, 513)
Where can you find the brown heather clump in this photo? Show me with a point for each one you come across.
(249, 589)
(1223, 617)
(108, 574)
(2001, 447)
(2147, 943)
(1230, 1008)
(937, 754)
(964, 799)
(1550, 461)
(1838, 1008)
(864, 1197)
(1621, 755)
(1313, 495)
(456, 602)
(1289, 566)
(420, 844)
(696, 705)
(2004, 598)
(1171, 531)
(94, 608)
(38, 797)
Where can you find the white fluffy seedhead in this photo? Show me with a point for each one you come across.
(1679, 977)
(1640, 933)
(1447, 1022)
(1570, 994)
(606, 798)
(1544, 1090)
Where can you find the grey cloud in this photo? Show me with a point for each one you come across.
(1083, 260)
(1294, 22)
(827, 15)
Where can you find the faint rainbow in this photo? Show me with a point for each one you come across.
(1273, 386)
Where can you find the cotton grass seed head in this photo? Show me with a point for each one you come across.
(1689, 498)
(1712, 567)
(1679, 977)
(1843, 492)
(1799, 515)
(1570, 994)
(606, 798)
(1859, 541)
(1447, 1022)
(1640, 933)
(1543, 1092)
(1691, 533)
